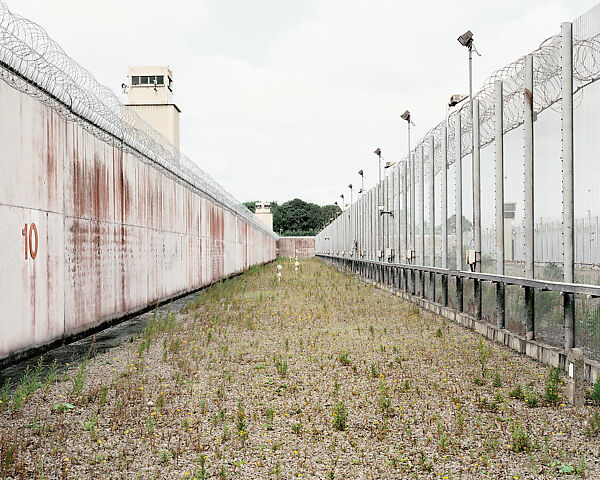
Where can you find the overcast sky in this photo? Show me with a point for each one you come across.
(289, 98)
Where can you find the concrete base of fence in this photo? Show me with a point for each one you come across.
(539, 351)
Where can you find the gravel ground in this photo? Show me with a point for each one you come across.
(319, 376)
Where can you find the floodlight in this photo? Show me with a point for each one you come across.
(405, 116)
(389, 164)
(350, 186)
(360, 172)
(378, 152)
(466, 39)
(456, 99)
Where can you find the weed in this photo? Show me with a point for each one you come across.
(439, 333)
(340, 415)
(531, 398)
(103, 396)
(269, 413)
(202, 475)
(517, 393)
(385, 401)
(78, 380)
(296, 428)
(595, 393)
(281, 365)
(240, 421)
(5, 392)
(90, 425)
(593, 425)
(553, 387)
(344, 358)
(164, 457)
(497, 380)
(483, 355)
(521, 442)
(374, 372)
(63, 407)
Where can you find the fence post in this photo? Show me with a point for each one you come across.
(499, 144)
(422, 218)
(413, 237)
(529, 207)
(432, 215)
(405, 218)
(444, 213)
(567, 180)
(458, 216)
(476, 171)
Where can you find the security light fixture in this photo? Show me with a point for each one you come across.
(466, 39)
(350, 186)
(405, 116)
(389, 164)
(456, 99)
(378, 152)
(360, 172)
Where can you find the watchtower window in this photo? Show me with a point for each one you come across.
(148, 80)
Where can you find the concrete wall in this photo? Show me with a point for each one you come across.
(113, 232)
(301, 247)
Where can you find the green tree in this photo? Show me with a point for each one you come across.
(297, 217)
(251, 205)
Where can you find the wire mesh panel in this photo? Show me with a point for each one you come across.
(549, 322)
(587, 325)
(452, 301)
(488, 303)
(515, 309)
(488, 211)
(469, 297)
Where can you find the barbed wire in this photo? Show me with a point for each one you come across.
(33, 63)
(547, 94)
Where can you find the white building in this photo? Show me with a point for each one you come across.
(151, 96)
(263, 212)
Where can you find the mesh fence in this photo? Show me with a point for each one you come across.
(33, 63)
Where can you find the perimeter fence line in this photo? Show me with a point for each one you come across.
(537, 278)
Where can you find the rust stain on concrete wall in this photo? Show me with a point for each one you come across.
(115, 232)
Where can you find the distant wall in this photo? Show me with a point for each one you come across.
(301, 247)
(91, 233)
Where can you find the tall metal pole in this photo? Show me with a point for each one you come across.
(422, 216)
(405, 207)
(431, 215)
(444, 212)
(567, 180)
(529, 198)
(459, 214)
(413, 237)
(405, 196)
(379, 216)
(476, 205)
(499, 144)
(422, 205)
